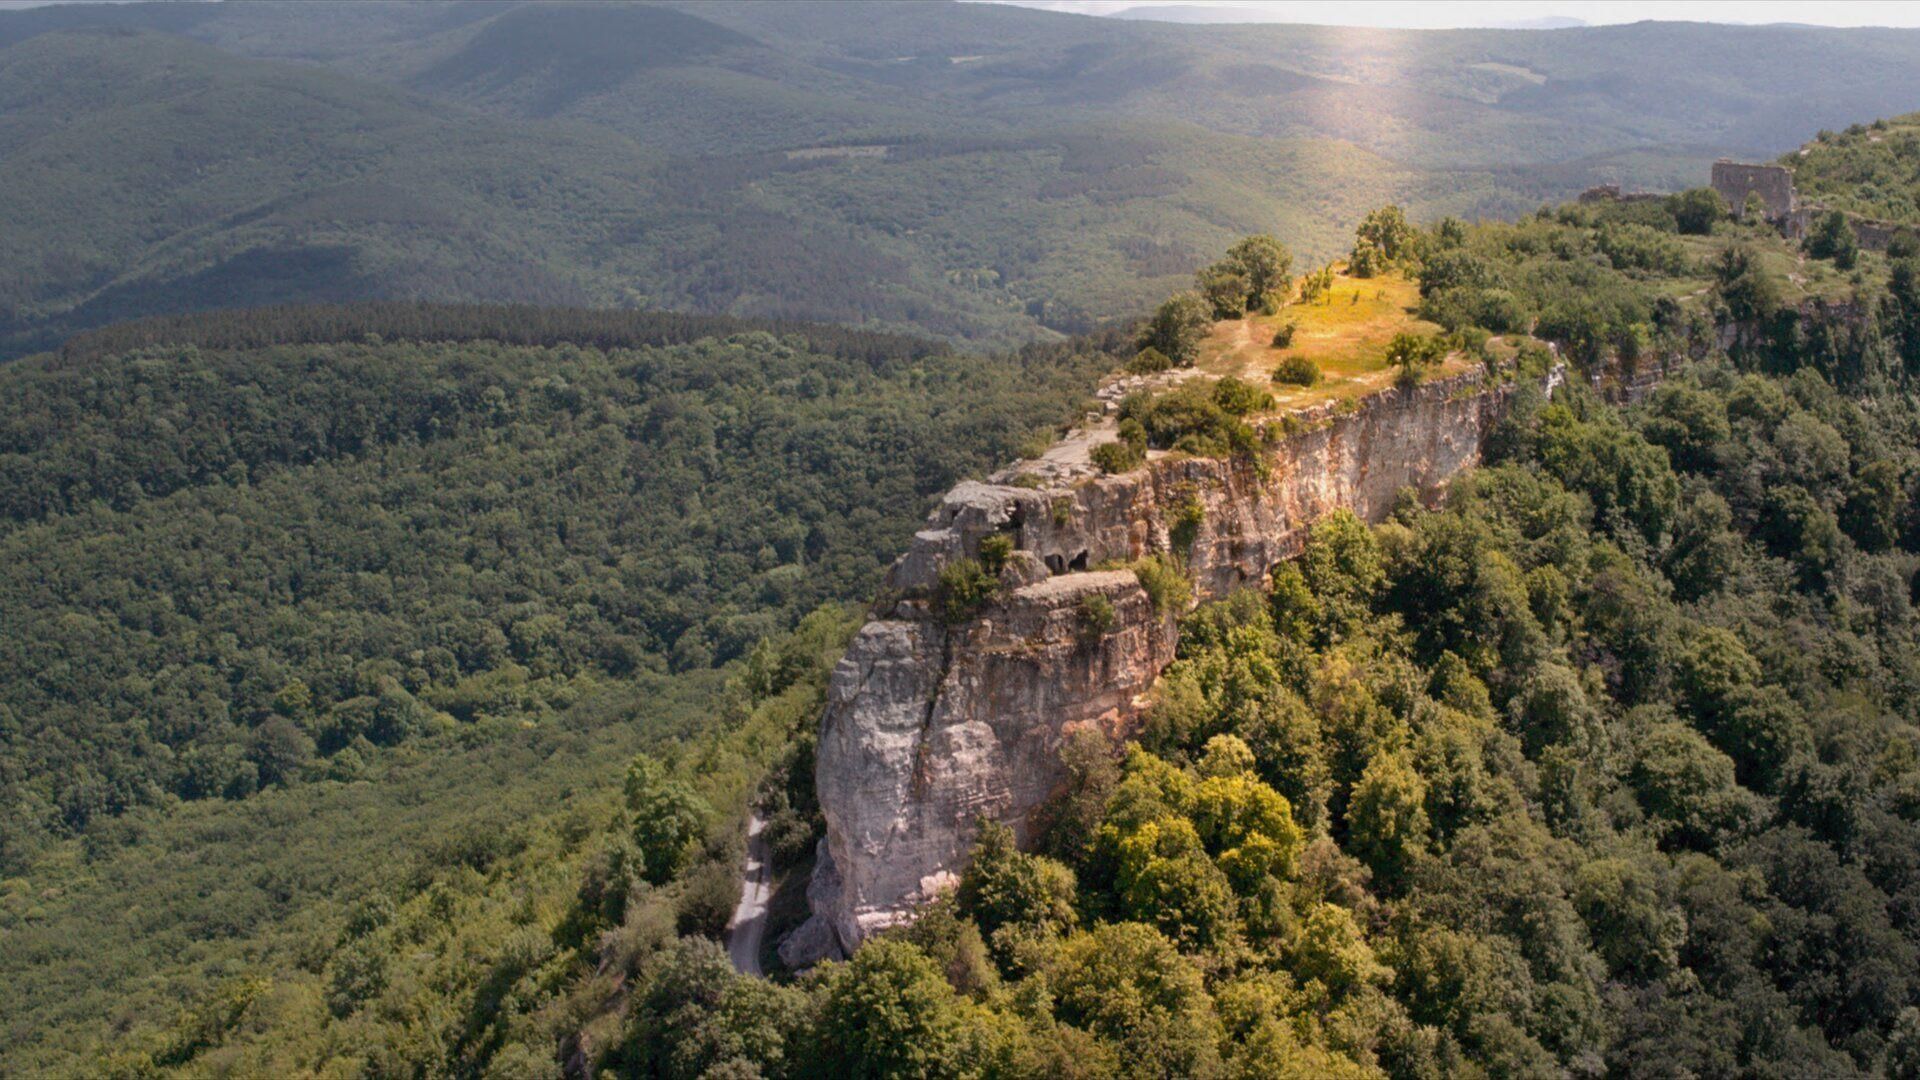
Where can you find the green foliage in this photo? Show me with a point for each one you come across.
(1096, 616)
(1413, 354)
(1126, 984)
(1199, 417)
(1832, 238)
(1252, 277)
(1296, 370)
(1014, 898)
(1697, 210)
(889, 1012)
(1383, 241)
(1265, 262)
(1149, 361)
(399, 541)
(965, 586)
(1866, 172)
(1224, 287)
(1118, 456)
(668, 819)
(1750, 293)
(1167, 587)
(1177, 328)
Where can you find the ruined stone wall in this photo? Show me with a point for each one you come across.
(1873, 234)
(930, 727)
(1774, 184)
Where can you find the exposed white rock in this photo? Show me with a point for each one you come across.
(929, 728)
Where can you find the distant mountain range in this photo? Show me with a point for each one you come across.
(972, 171)
(1227, 13)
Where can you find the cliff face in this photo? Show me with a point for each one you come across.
(930, 727)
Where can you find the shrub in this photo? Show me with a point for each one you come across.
(1696, 211)
(1096, 616)
(1239, 398)
(1167, 588)
(995, 550)
(1833, 238)
(1412, 353)
(965, 587)
(1117, 457)
(1283, 337)
(1198, 417)
(1183, 525)
(1297, 371)
(1148, 361)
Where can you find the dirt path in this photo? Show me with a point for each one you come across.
(748, 926)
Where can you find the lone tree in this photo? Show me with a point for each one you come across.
(1695, 210)
(1265, 262)
(1833, 238)
(1254, 270)
(1413, 352)
(1178, 327)
(1383, 239)
(1225, 290)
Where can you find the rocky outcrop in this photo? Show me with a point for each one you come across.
(930, 727)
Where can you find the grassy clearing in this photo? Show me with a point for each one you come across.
(1345, 333)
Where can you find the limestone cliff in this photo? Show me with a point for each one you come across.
(930, 727)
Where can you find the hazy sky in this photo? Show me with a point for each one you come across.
(1447, 13)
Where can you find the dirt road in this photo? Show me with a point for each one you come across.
(749, 923)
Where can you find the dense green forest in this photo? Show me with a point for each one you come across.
(230, 564)
(385, 680)
(1608, 766)
(968, 171)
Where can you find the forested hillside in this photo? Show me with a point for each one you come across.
(1867, 168)
(399, 619)
(1608, 766)
(229, 568)
(969, 171)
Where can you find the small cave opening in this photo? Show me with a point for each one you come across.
(1056, 564)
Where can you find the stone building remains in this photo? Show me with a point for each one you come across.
(1773, 183)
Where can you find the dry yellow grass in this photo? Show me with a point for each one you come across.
(1345, 333)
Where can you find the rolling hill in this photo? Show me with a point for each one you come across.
(972, 171)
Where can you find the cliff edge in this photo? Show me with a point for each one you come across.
(932, 724)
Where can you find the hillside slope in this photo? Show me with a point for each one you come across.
(970, 171)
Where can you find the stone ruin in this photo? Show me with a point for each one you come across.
(1783, 207)
(1773, 183)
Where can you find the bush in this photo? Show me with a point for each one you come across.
(1296, 371)
(1148, 361)
(1167, 588)
(1283, 337)
(1696, 211)
(1192, 418)
(1412, 354)
(1238, 398)
(1117, 457)
(1096, 616)
(965, 587)
(995, 550)
(1833, 238)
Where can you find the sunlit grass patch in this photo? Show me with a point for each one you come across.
(1344, 333)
